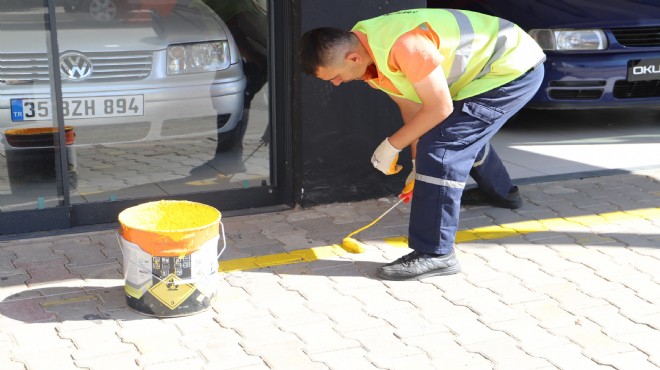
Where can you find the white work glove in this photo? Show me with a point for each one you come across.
(385, 158)
(407, 192)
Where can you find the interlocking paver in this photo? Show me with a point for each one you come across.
(31, 251)
(47, 270)
(570, 297)
(194, 363)
(381, 341)
(592, 340)
(344, 359)
(45, 359)
(11, 365)
(544, 256)
(627, 361)
(549, 314)
(24, 307)
(376, 300)
(470, 330)
(319, 337)
(581, 291)
(506, 354)
(570, 357)
(531, 337)
(392, 361)
(170, 355)
(284, 354)
(446, 353)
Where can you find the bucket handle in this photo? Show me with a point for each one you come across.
(224, 241)
(186, 281)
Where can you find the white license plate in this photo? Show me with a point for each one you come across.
(76, 108)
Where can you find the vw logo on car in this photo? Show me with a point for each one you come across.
(75, 67)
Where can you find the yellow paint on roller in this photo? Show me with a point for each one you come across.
(462, 236)
(169, 227)
(352, 245)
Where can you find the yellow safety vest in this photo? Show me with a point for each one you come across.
(480, 52)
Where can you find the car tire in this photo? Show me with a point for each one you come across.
(229, 140)
(102, 10)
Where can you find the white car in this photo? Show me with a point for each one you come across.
(144, 74)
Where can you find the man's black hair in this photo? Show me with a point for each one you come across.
(317, 47)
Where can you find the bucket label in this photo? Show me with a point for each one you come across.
(164, 266)
(137, 269)
(171, 280)
(171, 291)
(205, 267)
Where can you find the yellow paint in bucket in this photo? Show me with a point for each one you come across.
(170, 256)
(169, 227)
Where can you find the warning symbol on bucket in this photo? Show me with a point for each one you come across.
(171, 292)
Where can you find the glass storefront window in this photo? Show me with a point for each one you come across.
(162, 97)
(30, 168)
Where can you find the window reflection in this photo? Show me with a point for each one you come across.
(165, 97)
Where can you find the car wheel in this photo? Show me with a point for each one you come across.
(228, 140)
(102, 10)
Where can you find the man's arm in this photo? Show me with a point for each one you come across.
(418, 120)
(408, 110)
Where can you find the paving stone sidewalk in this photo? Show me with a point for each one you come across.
(578, 289)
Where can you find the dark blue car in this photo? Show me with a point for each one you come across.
(601, 53)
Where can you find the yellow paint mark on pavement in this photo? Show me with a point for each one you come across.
(398, 241)
(462, 236)
(83, 298)
(648, 214)
(300, 255)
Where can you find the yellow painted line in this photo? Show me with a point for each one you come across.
(296, 256)
(481, 233)
(83, 298)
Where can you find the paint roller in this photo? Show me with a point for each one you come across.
(351, 244)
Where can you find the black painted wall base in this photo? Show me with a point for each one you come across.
(338, 128)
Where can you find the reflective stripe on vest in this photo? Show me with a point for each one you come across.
(459, 65)
(504, 37)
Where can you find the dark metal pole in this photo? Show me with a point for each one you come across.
(56, 103)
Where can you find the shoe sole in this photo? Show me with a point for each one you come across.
(448, 271)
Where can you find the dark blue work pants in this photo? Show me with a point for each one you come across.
(458, 147)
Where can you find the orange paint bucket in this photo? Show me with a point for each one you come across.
(170, 251)
(168, 227)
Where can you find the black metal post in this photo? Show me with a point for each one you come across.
(56, 103)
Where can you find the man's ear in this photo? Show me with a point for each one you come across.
(353, 57)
